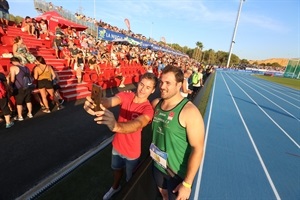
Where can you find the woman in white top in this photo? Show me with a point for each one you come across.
(44, 29)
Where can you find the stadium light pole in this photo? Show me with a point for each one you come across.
(234, 32)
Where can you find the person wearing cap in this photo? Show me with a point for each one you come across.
(57, 45)
(17, 72)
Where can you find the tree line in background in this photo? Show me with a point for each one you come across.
(209, 57)
(219, 58)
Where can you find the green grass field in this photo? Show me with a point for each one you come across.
(289, 82)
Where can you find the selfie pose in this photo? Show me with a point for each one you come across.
(135, 113)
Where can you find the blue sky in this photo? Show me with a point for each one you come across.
(266, 29)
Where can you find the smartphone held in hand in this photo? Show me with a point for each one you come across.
(96, 96)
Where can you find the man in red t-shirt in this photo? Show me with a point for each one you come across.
(135, 113)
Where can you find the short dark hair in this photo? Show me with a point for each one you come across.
(150, 76)
(176, 71)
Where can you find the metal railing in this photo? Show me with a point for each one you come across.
(43, 6)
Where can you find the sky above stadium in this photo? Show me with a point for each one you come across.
(266, 28)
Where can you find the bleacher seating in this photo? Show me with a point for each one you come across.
(71, 90)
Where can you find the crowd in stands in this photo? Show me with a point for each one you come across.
(83, 19)
(82, 51)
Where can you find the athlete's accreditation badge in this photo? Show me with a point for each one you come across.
(158, 156)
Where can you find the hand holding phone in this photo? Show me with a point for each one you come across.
(96, 96)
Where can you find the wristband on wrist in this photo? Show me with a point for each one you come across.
(186, 185)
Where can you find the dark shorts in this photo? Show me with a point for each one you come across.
(4, 106)
(196, 89)
(23, 96)
(166, 182)
(45, 83)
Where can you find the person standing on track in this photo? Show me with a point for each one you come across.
(178, 138)
(135, 113)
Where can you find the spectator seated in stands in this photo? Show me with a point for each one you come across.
(68, 32)
(74, 34)
(123, 54)
(27, 26)
(84, 43)
(58, 30)
(79, 66)
(114, 59)
(66, 54)
(119, 75)
(21, 51)
(91, 41)
(133, 57)
(74, 51)
(93, 64)
(36, 28)
(44, 29)
(103, 56)
(58, 45)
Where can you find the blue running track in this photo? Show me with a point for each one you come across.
(252, 144)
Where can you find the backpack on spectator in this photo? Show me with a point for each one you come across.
(27, 81)
(195, 78)
(2, 90)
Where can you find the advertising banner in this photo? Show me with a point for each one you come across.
(104, 34)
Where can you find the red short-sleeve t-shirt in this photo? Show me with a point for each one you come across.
(129, 145)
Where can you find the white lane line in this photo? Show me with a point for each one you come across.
(290, 114)
(268, 115)
(254, 145)
(272, 86)
(200, 170)
(249, 80)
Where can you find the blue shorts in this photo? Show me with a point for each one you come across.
(119, 162)
(166, 182)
